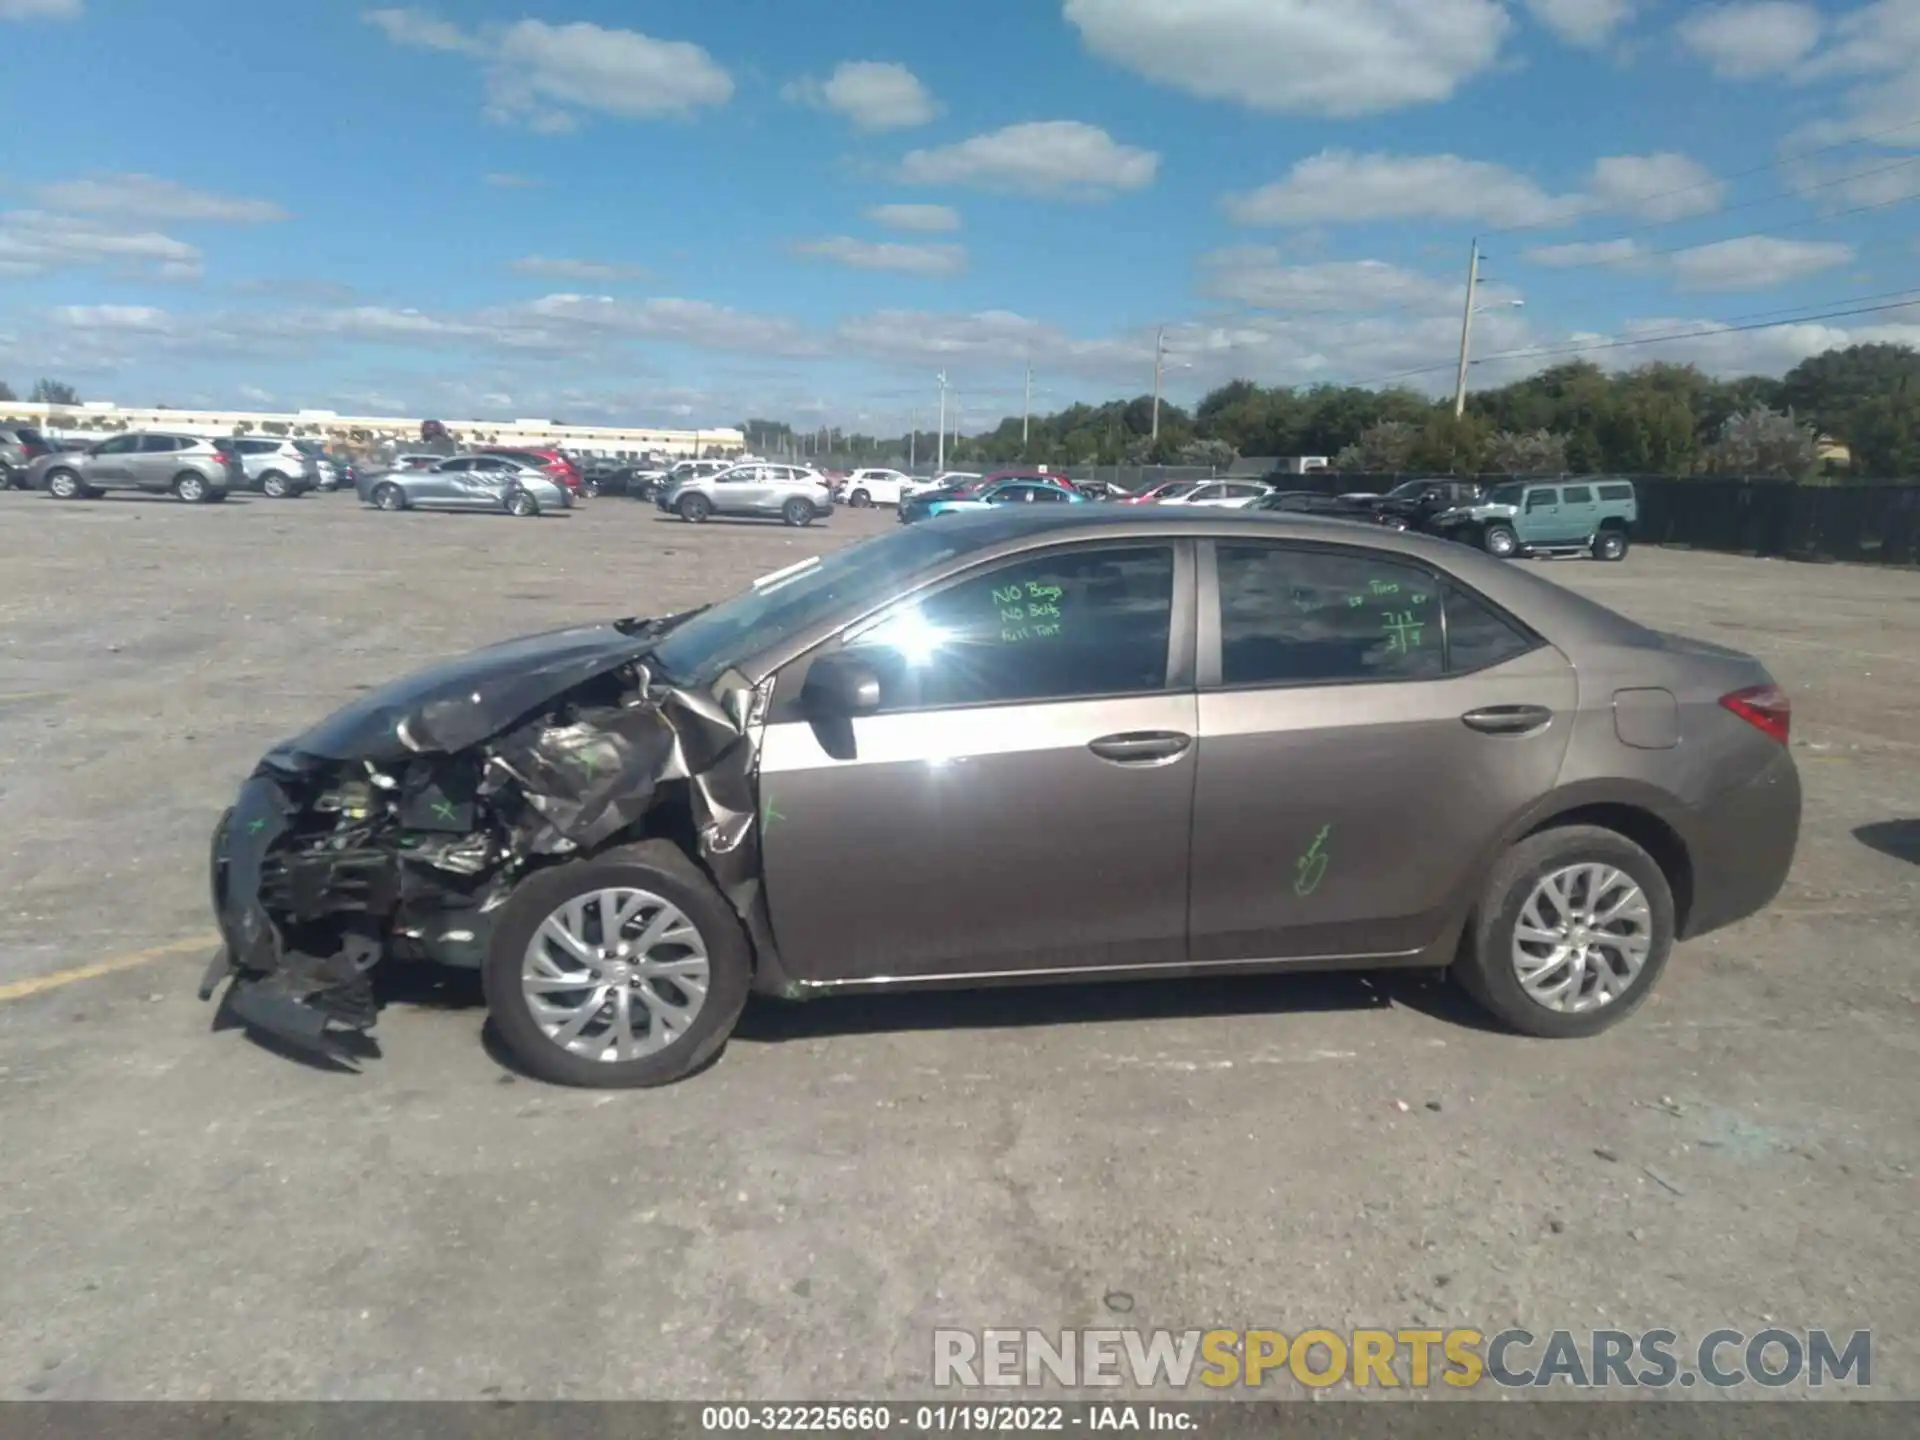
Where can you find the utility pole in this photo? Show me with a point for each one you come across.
(1026, 409)
(941, 462)
(1466, 329)
(1159, 360)
(913, 439)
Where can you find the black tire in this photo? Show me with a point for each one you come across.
(590, 489)
(797, 513)
(521, 503)
(273, 485)
(1500, 541)
(215, 497)
(1485, 969)
(192, 487)
(694, 509)
(64, 484)
(1610, 544)
(654, 865)
(11, 479)
(389, 497)
(860, 500)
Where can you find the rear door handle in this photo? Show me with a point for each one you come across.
(1141, 747)
(1507, 719)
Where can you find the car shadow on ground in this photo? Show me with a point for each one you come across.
(1898, 838)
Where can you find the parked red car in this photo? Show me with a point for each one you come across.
(556, 464)
(1155, 492)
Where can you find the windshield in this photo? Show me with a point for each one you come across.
(786, 602)
(1409, 490)
(1505, 494)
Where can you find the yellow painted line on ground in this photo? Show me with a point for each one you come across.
(40, 984)
(32, 695)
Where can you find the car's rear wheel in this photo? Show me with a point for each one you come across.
(522, 503)
(192, 487)
(625, 970)
(389, 497)
(797, 513)
(273, 485)
(1500, 541)
(1610, 544)
(694, 508)
(66, 485)
(1572, 931)
(859, 499)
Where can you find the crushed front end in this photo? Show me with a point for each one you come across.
(397, 826)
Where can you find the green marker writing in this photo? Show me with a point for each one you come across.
(1312, 866)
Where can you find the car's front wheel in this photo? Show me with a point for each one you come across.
(625, 970)
(522, 504)
(694, 508)
(389, 497)
(1500, 541)
(1571, 933)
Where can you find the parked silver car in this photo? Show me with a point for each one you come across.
(189, 466)
(466, 482)
(20, 446)
(793, 493)
(278, 469)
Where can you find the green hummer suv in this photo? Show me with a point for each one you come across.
(1552, 517)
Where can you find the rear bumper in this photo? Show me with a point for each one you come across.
(1742, 847)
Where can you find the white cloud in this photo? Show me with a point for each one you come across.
(1877, 50)
(538, 75)
(1064, 158)
(1355, 57)
(1749, 39)
(1339, 185)
(929, 219)
(1585, 253)
(147, 197)
(1582, 22)
(1256, 276)
(33, 242)
(41, 9)
(874, 94)
(1657, 188)
(1756, 262)
(506, 180)
(887, 255)
(558, 269)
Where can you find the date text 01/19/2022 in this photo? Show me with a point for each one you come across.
(942, 1418)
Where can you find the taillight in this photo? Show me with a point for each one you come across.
(1765, 707)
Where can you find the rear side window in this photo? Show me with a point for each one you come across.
(1478, 636)
(1064, 626)
(1577, 495)
(159, 444)
(28, 436)
(1616, 492)
(1295, 617)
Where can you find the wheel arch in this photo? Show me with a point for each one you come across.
(1646, 828)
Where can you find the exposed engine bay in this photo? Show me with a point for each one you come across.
(397, 826)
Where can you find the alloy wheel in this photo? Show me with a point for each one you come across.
(615, 975)
(1582, 937)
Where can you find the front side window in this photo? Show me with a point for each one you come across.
(1067, 625)
(1294, 616)
(120, 445)
(1542, 499)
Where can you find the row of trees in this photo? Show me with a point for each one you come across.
(1855, 410)
(44, 392)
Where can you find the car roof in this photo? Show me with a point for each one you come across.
(1560, 614)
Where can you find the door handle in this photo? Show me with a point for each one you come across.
(1141, 747)
(1507, 719)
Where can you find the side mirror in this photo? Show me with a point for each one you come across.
(840, 687)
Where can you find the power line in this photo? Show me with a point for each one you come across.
(1761, 169)
(1717, 327)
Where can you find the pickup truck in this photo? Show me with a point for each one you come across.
(1590, 516)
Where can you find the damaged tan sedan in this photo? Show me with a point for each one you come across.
(1101, 743)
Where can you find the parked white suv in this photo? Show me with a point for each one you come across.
(277, 468)
(792, 493)
(876, 487)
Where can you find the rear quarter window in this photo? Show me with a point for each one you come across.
(1478, 635)
(1578, 495)
(1616, 492)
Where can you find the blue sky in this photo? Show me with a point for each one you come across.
(677, 212)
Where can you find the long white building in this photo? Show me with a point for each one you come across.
(97, 417)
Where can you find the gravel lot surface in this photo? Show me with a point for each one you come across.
(184, 1214)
